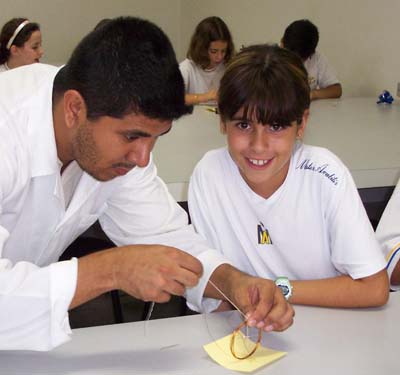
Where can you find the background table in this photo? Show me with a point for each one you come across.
(363, 134)
(322, 341)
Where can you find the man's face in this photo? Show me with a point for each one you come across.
(108, 147)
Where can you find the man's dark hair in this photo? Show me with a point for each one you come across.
(301, 37)
(126, 66)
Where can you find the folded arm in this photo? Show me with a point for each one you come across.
(193, 99)
(343, 291)
(329, 92)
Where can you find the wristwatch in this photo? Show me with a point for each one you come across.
(284, 285)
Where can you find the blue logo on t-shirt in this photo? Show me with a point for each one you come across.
(323, 169)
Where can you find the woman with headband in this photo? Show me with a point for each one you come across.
(20, 44)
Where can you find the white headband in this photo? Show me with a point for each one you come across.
(16, 32)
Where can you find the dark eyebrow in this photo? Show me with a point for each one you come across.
(137, 133)
(140, 133)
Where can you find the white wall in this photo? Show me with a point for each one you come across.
(65, 22)
(359, 37)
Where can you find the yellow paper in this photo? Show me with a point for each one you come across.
(220, 352)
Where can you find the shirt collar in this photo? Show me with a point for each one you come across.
(42, 143)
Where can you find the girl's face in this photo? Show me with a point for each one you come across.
(262, 152)
(30, 52)
(217, 52)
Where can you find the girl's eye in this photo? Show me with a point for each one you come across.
(276, 127)
(243, 125)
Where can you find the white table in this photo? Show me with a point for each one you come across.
(363, 134)
(322, 341)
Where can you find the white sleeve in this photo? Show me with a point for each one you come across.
(34, 301)
(34, 304)
(326, 73)
(184, 67)
(199, 207)
(388, 233)
(142, 211)
(354, 248)
(201, 214)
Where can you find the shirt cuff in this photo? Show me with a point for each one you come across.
(64, 277)
(195, 300)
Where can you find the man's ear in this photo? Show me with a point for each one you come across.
(74, 108)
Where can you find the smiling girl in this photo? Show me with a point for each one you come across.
(210, 48)
(20, 44)
(277, 208)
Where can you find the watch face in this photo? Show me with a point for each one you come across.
(285, 289)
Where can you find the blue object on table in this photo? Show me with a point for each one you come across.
(385, 97)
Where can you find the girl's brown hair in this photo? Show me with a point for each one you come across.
(269, 83)
(23, 36)
(209, 30)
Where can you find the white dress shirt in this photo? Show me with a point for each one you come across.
(36, 224)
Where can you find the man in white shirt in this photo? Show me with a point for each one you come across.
(76, 147)
(302, 37)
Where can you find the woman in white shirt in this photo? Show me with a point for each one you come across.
(210, 48)
(20, 44)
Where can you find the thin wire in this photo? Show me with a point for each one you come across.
(224, 295)
(238, 329)
(147, 318)
(150, 311)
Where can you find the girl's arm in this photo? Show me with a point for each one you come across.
(330, 92)
(193, 99)
(342, 291)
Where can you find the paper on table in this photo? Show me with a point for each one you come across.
(220, 352)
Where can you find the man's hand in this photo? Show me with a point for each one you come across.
(155, 272)
(259, 299)
(147, 272)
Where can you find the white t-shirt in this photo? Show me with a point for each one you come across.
(198, 80)
(320, 73)
(388, 232)
(3, 68)
(314, 226)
